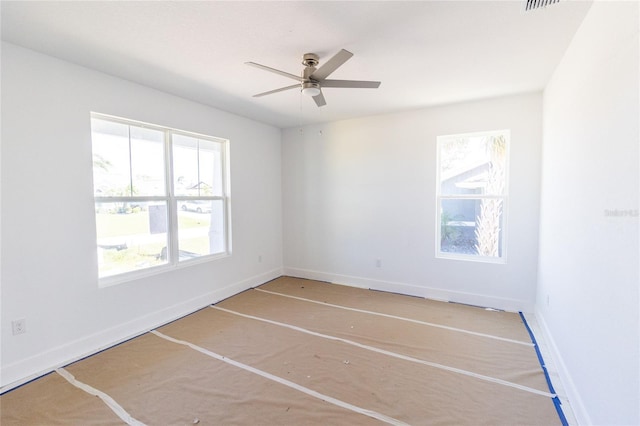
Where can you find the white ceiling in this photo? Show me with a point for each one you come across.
(425, 52)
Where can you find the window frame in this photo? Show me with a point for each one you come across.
(172, 202)
(439, 254)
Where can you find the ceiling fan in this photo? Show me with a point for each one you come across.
(314, 79)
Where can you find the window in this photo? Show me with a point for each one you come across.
(472, 196)
(161, 196)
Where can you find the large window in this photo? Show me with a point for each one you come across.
(161, 196)
(472, 196)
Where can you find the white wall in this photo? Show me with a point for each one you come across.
(589, 261)
(360, 190)
(49, 269)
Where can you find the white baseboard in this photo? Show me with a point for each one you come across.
(577, 405)
(25, 370)
(512, 305)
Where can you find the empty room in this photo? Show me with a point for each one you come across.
(319, 212)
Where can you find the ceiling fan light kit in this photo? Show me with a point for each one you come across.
(310, 89)
(313, 79)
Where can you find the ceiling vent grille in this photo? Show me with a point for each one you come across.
(538, 4)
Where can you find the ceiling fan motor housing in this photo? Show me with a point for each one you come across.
(310, 85)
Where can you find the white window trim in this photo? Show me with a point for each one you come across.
(172, 201)
(505, 203)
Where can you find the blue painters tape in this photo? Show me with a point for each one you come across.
(555, 399)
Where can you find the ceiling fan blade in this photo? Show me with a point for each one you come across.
(319, 98)
(282, 89)
(331, 65)
(358, 84)
(266, 68)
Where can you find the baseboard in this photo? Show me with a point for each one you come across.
(512, 305)
(577, 405)
(25, 370)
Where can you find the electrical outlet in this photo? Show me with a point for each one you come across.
(260, 258)
(378, 263)
(19, 326)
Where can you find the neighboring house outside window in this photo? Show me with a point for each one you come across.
(472, 196)
(161, 197)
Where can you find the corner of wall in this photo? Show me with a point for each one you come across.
(572, 394)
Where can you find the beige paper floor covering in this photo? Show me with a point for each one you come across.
(301, 352)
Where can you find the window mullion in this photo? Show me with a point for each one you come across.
(130, 162)
(224, 160)
(196, 197)
(471, 196)
(198, 164)
(129, 199)
(171, 201)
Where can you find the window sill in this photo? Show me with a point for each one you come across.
(157, 270)
(472, 258)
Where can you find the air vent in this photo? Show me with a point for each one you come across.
(538, 4)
